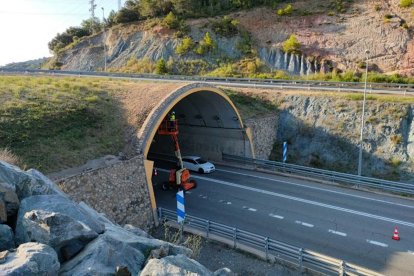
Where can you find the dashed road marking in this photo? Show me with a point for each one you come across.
(188, 192)
(202, 196)
(249, 209)
(311, 202)
(317, 188)
(304, 223)
(337, 233)
(228, 203)
(225, 202)
(377, 243)
(276, 216)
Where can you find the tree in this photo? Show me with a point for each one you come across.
(207, 44)
(161, 67)
(292, 45)
(126, 15)
(61, 40)
(171, 21)
(92, 24)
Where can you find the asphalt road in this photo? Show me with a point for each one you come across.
(354, 226)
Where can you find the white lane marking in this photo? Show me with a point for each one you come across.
(316, 188)
(337, 233)
(377, 243)
(228, 203)
(276, 216)
(188, 192)
(249, 209)
(304, 223)
(311, 202)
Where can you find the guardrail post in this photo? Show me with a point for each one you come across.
(159, 214)
(342, 269)
(267, 248)
(300, 259)
(207, 228)
(234, 237)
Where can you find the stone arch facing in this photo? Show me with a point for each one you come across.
(210, 125)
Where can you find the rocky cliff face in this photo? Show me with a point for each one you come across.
(329, 40)
(135, 41)
(324, 132)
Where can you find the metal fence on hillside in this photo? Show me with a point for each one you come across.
(392, 186)
(270, 248)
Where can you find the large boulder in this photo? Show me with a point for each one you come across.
(31, 259)
(54, 204)
(66, 235)
(27, 183)
(137, 231)
(117, 247)
(9, 196)
(174, 265)
(6, 237)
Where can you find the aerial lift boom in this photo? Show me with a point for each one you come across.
(179, 178)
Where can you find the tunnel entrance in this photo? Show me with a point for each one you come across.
(209, 125)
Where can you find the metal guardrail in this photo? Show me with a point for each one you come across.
(384, 88)
(392, 186)
(270, 248)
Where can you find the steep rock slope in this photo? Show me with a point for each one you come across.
(329, 39)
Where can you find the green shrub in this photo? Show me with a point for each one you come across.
(285, 11)
(292, 45)
(406, 3)
(171, 21)
(226, 26)
(161, 67)
(206, 45)
(244, 44)
(186, 45)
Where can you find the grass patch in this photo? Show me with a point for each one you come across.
(54, 123)
(250, 104)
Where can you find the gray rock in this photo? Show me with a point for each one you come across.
(64, 234)
(117, 247)
(137, 231)
(27, 183)
(174, 265)
(103, 255)
(31, 259)
(93, 213)
(56, 204)
(6, 237)
(8, 194)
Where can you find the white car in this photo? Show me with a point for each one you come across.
(196, 163)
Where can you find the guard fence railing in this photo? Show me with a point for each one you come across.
(264, 246)
(330, 176)
(386, 88)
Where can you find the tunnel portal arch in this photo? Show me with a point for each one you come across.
(209, 125)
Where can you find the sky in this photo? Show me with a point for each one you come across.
(26, 26)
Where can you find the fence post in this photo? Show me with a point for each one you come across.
(234, 237)
(300, 259)
(267, 248)
(208, 228)
(342, 269)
